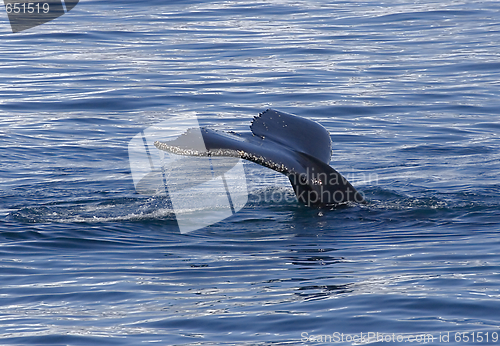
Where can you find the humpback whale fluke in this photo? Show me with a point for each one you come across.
(297, 147)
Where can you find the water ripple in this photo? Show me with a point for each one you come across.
(409, 93)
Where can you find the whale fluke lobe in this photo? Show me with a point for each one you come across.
(293, 132)
(297, 147)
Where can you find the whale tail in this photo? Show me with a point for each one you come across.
(297, 147)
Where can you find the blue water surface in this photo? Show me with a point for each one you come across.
(410, 92)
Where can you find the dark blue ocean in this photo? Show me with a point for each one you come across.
(410, 92)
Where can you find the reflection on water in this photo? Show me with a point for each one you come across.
(408, 91)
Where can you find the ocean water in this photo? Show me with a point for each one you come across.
(410, 92)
